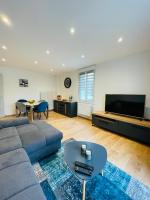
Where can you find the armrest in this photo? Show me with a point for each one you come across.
(13, 122)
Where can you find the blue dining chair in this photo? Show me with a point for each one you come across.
(22, 100)
(22, 108)
(41, 108)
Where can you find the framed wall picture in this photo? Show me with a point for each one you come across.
(23, 83)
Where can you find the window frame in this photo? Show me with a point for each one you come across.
(86, 72)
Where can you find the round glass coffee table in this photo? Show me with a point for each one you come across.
(72, 153)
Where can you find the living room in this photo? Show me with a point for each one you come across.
(76, 57)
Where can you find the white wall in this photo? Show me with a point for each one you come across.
(1, 96)
(66, 92)
(128, 75)
(38, 83)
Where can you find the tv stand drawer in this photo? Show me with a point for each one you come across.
(104, 122)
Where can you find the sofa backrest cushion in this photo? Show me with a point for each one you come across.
(5, 123)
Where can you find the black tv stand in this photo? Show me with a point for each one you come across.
(136, 129)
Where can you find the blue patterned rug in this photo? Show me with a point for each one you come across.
(58, 182)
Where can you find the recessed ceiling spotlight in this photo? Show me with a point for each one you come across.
(120, 39)
(3, 59)
(52, 70)
(5, 19)
(35, 62)
(72, 30)
(47, 52)
(4, 47)
(82, 56)
(63, 64)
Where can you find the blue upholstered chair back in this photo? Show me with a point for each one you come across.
(22, 100)
(42, 107)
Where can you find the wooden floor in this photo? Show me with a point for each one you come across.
(131, 156)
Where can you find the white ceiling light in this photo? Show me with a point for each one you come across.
(63, 64)
(72, 30)
(5, 19)
(47, 52)
(4, 47)
(120, 39)
(82, 56)
(3, 59)
(35, 62)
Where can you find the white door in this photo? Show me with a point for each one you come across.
(1, 96)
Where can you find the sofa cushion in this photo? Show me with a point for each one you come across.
(15, 179)
(31, 138)
(8, 132)
(10, 143)
(4, 123)
(50, 133)
(9, 140)
(12, 158)
(32, 193)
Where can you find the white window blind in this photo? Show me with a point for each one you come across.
(86, 86)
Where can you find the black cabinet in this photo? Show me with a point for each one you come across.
(66, 108)
(130, 130)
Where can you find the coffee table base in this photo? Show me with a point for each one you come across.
(84, 186)
(83, 190)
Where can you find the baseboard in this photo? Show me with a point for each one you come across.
(5, 116)
(51, 110)
(85, 117)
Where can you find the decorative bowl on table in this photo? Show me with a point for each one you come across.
(31, 101)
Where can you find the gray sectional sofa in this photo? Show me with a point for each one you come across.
(22, 143)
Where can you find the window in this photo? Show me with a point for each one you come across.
(86, 86)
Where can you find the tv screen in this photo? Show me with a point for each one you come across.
(131, 105)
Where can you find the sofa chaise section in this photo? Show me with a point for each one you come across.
(39, 139)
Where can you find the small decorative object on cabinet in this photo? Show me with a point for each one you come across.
(66, 108)
(59, 97)
(70, 98)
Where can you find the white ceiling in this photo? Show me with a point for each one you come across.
(38, 25)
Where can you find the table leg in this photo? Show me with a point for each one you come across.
(83, 190)
(17, 112)
(101, 173)
(31, 113)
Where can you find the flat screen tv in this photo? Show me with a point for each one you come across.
(130, 105)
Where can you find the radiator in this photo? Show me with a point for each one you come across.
(84, 109)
